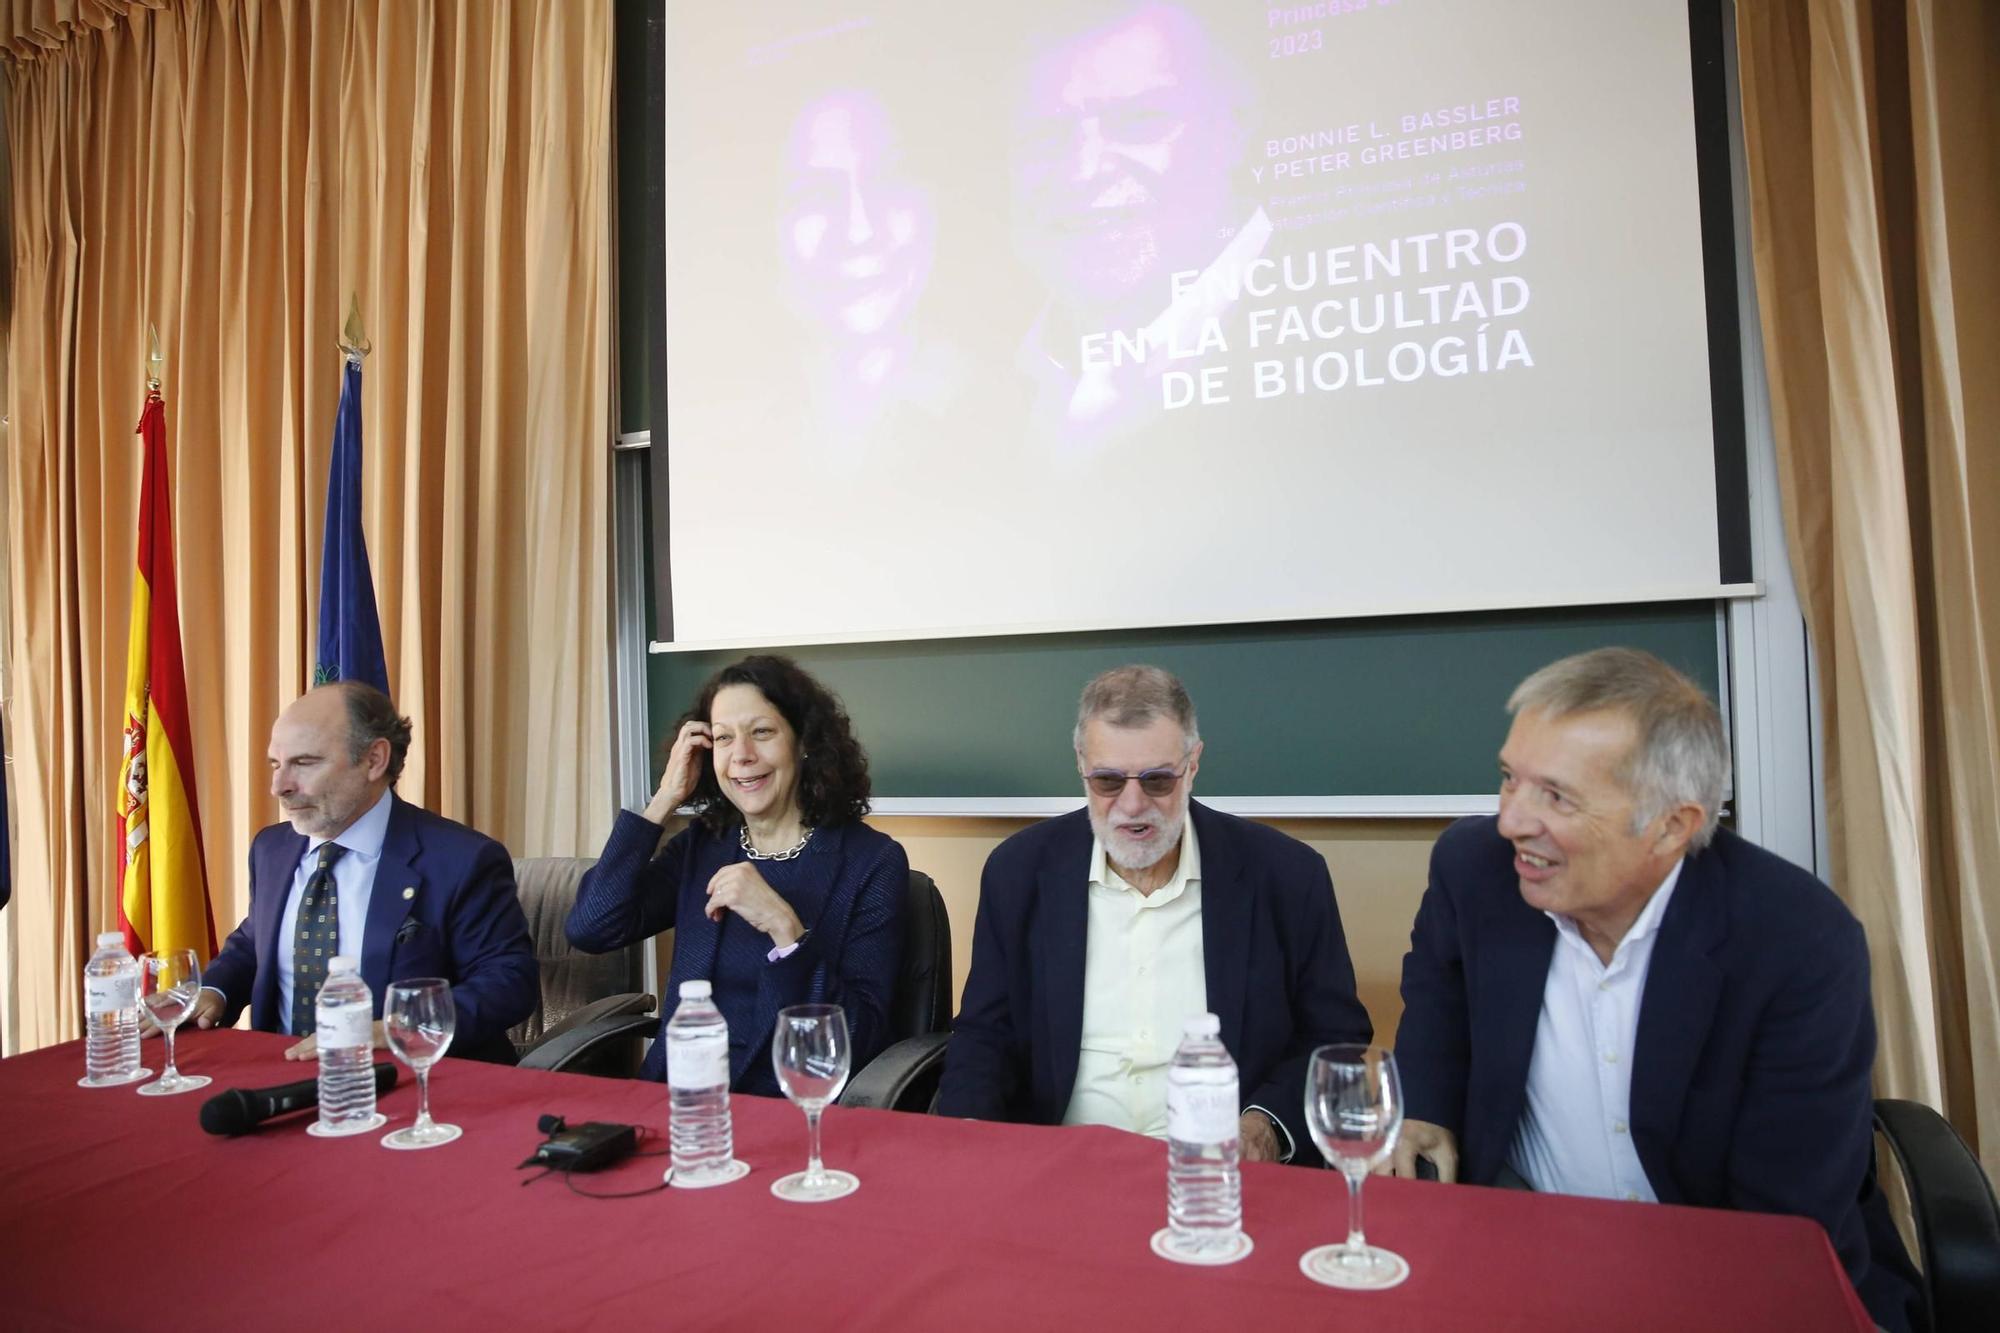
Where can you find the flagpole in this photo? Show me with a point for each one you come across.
(354, 342)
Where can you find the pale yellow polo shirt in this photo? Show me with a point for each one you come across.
(1142, 981)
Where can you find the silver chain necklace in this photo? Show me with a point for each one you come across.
(743, 838)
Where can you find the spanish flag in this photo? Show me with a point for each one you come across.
(162, 879)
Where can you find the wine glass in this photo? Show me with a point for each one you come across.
(169, 984)
(418, 1018)
(1354, 1107)
(811, 1054)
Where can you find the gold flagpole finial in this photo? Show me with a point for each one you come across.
(354, 340)
(156, 360)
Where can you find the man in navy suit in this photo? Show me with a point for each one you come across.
(412, 893)
(1100, 933)
(1607, 995)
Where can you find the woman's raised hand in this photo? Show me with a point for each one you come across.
(691, 749)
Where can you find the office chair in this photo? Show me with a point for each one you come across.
(1957, 1220)
(594, 1016)
(905, 1076)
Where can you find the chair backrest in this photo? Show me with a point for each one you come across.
(570, 979)
(923, 987)
(1955, 1214)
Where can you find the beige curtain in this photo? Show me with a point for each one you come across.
(31, 29)
(233, 172)
(1874, 159)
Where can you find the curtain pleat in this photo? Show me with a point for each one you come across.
(33, 30)
(236, 173)
(1873, 137)
(1955, 50)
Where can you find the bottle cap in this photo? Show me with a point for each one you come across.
(1203, 1025)
(695, 990)
(342, 962)
(109, 938)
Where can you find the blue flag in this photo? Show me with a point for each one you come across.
(350, 632)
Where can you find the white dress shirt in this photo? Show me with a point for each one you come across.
(353, 885)
(1142, 981)
(1575, 1135)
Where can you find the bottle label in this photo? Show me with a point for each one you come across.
(1204, 1113)
(344, 1028)
(698, 1062)
(109, 995)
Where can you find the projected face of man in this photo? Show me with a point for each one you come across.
(1122, 153)
(857, 234)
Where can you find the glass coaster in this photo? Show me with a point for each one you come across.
(408, 1139)
(319, 1131)
(832, 1185)
(185, 1083)
(735, 1171)
(1332, 1266)
(134, 1077)
(1208, 1256)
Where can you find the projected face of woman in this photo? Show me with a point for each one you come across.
(857, 234)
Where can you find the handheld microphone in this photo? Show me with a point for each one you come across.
(240, 1110)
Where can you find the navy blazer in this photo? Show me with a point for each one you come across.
(1751, 1065)
(850, 955)
(1274, 959)
(443, 905)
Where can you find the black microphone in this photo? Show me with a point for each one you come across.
(240, 1110)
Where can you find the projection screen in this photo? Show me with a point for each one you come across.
(1058, 314)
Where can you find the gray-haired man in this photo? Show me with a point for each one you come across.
(1101, 932)
(1607, 995)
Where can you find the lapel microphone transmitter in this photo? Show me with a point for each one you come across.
(586, 1147)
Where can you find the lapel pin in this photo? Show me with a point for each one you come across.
(409, 894)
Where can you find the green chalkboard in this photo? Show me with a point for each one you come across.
(1404, 706)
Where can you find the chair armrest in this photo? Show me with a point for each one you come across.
(609, 1007)
(577, 1043)
(1952, 1204)
(902, 1078)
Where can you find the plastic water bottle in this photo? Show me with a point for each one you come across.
(700, 1138)
(111, 1012)
(1204, 1184)
(344, 1022)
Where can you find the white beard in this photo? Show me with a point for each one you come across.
(1128, 853)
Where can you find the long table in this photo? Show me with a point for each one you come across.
(116, 1208)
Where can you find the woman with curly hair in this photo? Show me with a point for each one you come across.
(777, 893)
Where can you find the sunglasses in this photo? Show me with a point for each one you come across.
(1153, 782)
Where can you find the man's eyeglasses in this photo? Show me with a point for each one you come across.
(1153, 782)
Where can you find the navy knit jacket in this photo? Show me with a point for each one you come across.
(848, 886)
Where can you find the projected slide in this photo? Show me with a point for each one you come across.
(1067, 314)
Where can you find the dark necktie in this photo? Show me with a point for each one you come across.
(316, 940)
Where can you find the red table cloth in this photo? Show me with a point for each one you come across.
(116, 1208)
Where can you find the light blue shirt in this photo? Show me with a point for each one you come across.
(353, 885)
(1575, 1135)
